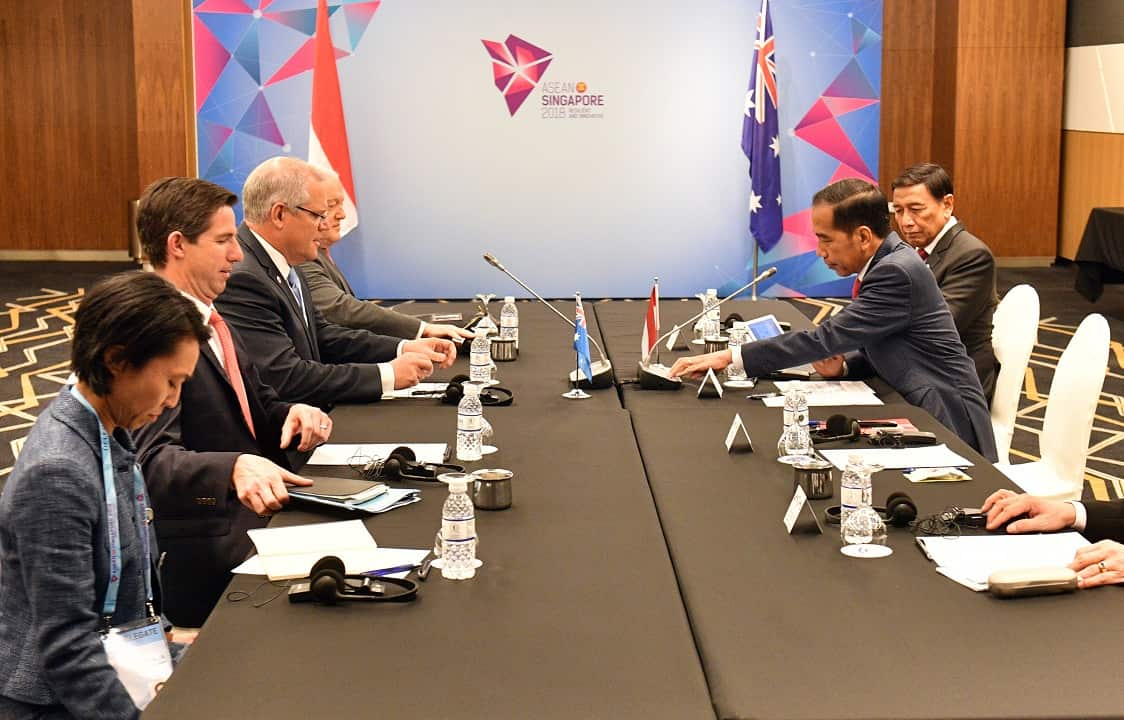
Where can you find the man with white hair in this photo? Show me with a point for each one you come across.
(302, 355)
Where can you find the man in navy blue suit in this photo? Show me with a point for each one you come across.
(898, 326)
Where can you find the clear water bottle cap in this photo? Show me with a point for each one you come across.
(854, 459)
(712, 291)
(509, 298)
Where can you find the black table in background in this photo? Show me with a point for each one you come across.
(1100, 257)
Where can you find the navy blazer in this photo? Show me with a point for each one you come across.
(1104, 520)
(900, 327)
(188, 457)
(315, 362)
(55, 566)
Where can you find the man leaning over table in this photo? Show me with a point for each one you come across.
(898, 326)
(303, 356)
(214, 464)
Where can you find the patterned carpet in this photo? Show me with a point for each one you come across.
(38, 302)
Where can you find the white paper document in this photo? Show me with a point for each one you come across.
(351, 453)
(383, 558)
(290, 552)
(969, 560)
(924, 456)
(821, 393)
(421, 390)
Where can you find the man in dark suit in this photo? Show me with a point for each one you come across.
(898, 325)
(1099, 564)
(333, 297)
(962, 265)
(302, 355)
(215, 464)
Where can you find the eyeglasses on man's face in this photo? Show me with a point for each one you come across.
(320, 217)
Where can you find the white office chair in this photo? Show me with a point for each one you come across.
(1064, 442)
(1013, 336)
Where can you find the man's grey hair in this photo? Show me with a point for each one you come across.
(277, 180)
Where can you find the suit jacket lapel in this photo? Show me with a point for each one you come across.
(946, 242)
(337, 275)
(251, 247)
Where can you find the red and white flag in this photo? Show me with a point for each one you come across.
(651, 322)
(327, 137)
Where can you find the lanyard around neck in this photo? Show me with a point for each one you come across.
(113, 528)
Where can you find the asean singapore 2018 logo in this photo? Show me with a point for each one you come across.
(518, 68)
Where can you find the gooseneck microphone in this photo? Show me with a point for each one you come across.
(655, 377)
(602, 369)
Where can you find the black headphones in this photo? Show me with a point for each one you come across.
(838, 427)
(900, 511)
(492, 396)
(402, 464)
(329, 584)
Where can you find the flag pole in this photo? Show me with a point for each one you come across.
(753, 297)
(656, 349)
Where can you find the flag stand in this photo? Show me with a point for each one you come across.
(576, 393)
(753, 297)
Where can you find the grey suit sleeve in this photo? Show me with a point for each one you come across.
(967, 286)
(340, 378)
(55, 520)
(881, 309)
(342, 308)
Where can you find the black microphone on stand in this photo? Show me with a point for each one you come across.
(602, 369)
(654, 376)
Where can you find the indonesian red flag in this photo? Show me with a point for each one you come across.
(651, 323)
(327, 136)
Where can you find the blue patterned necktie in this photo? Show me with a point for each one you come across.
(295, 286)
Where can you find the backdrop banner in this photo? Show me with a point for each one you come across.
(589, 145)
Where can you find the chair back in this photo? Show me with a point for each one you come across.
(1013, 336)
(1074, 394)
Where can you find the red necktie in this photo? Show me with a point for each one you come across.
(232, 370)
(855, 289)
(924, 255)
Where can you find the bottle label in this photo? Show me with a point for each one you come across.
(470, 423)
(458, 529)
(508, 321)
(850, 496)
(788, 417)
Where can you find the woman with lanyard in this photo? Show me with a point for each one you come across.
(80, 635)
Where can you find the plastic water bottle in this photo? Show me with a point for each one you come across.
(712, 320)
(509, 320)
(458, 532)
(862, 525)
(738, 336)
(854, 488)
(480, 358)
(795, 442)
(470, 424)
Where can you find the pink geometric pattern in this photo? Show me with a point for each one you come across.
(848, 92)
(517, 67)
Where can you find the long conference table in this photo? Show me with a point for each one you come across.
(644, 572)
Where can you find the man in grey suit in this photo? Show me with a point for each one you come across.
(898, 325)
(302, 355)
(333, 297)
(962, 265)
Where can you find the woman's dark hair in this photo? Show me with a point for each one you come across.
(131, 317)
(856, 203)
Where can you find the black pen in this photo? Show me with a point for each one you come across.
(761, 396)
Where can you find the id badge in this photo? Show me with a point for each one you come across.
(139, 653)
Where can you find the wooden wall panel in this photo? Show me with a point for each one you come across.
(1092, 176)
(907, 86)
(165, 109)
(68, 124)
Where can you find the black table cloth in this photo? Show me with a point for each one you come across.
(1100, 257)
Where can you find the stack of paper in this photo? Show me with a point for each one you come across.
(290, 552)
(827, 392)
(922, 456)
(362, 453)
(969, 560)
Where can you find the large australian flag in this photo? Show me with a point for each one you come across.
(760, 140)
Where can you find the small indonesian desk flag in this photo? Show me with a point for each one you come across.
(651, 322)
